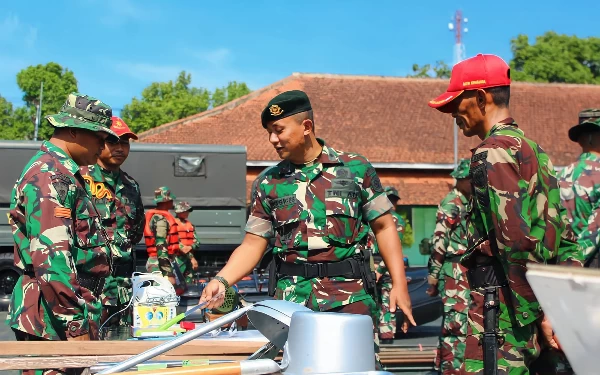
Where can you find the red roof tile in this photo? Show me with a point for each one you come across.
(384, 118)
(387, 120)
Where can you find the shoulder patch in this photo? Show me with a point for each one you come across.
(61, 184)
(375, 182)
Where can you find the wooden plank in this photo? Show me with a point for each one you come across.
(68, 348)
(23, 363)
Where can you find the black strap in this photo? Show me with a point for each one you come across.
(123, 269)
(348, 268)
(93, 284)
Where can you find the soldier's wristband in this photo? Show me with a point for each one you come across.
(222, 281)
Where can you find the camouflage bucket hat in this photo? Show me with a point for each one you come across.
(85, 112)
(589, 120)
(462, 170)
(163, 194)
(182, 207)
(391, 191)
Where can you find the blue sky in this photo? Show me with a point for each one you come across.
(118, 47)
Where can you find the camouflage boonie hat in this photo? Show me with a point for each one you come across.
(163, 194)
(462, 169)
(391, 191)
(182, 207)
(589, 120)
(85, 112)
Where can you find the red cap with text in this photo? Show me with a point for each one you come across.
(479, 72)
(120, 127)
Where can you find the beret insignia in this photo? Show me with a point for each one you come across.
(275, 110)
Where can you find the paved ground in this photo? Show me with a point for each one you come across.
(425, 335)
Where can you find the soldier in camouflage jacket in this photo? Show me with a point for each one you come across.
(60, 243)
(515, 216)
(119, 201)
(318, 205)
(446, 272)
(580, 184)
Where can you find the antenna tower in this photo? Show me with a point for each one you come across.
(457, 25)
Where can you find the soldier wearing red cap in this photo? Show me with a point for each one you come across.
(118, 199)
(515, 218)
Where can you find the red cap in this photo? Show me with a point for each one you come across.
(120, 127)
(479, 72)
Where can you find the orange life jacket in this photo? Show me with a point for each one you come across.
(172, 236)
(186, 232)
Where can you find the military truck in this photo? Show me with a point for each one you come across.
(212, 178)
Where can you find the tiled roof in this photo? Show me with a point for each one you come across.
(387, 120)
(384, 118)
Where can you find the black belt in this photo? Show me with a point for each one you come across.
(123, 269)
(454, 259)
(348, 268)
(93, 284)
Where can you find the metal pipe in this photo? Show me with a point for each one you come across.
(160, 349)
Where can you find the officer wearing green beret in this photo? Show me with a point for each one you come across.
(317, 204)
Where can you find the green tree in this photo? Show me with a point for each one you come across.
(58, 83)
(14, 123)
(440, 70)
(408, 238)
(226, 94)
(164, 102)
(556, 58)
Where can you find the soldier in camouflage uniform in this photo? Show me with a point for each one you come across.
(162, 238)
(449, 244)
(318, 204)
(386, 321)
(515, 218)
(119, 201)
(59, 241)
(188, 242)
(580, 184)
(580, 196)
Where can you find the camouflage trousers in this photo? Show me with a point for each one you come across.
(386, 320)
(455, 297)
(518, 347)
(152, 264)
(185, 266)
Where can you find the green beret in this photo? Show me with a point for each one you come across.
(462, 170)
(285, 104)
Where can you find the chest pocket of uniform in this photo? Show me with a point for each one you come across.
(342, 211)
(87, 228)
(286, 222)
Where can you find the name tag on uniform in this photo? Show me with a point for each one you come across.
(341, 193)
(282, 202)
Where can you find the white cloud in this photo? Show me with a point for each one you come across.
(14, 31)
